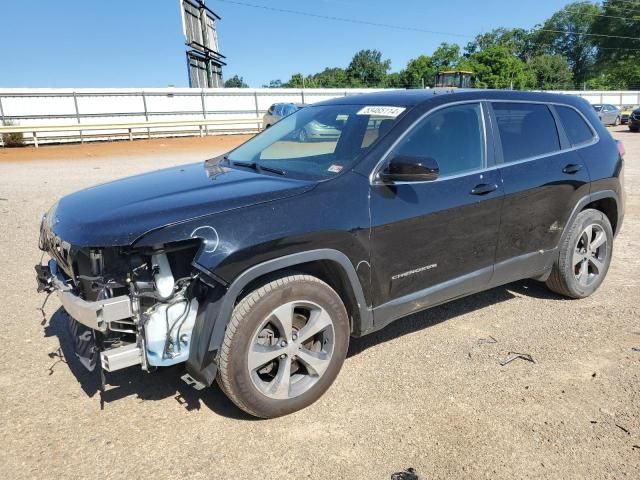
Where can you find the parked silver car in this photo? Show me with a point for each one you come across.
(608, 114)
(318, 131)
(278, 111)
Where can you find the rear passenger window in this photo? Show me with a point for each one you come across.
(526, 130)
(574, 125)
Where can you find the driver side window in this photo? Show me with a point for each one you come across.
(453, 136)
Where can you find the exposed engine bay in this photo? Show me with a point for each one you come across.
(126, 307)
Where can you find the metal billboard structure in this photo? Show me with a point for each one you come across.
(204, 62)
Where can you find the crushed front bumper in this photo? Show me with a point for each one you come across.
(95, 315)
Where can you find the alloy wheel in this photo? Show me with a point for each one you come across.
(590, 254)
(291, 350)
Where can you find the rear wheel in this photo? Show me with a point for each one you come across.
(633, 129)
(284, 346)
(302, 135)
(584, 256)
(618, 121)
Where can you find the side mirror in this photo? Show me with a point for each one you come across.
(406, 168)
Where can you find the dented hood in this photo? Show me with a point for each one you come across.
(119, 212)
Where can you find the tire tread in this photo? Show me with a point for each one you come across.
(240, 312)
(557, 281)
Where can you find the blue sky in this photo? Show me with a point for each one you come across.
(139, 43)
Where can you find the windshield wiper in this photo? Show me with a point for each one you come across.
(257, 167)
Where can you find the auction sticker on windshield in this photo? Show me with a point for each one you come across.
(381, 110)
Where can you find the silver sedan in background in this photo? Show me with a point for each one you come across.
(278, 111)
(608, 114)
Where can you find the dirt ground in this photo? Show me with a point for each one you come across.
(426, 392)
(138, 148)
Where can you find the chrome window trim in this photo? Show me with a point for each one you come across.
(376, 169)
(594, 140)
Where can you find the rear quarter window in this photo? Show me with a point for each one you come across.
(526, 130)
(574, 125)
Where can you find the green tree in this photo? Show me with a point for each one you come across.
(367, 69)
(296, 81)
(273, 84)
(394, 80)
(418, 70)
(235, 82)
(551, 72)
(567, 33)
(446, 56)
(620, 74)
(518, 40)
(331, 78)
(497, 67)
(617, 65)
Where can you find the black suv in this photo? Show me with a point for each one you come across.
(257, 267)
(634, 120)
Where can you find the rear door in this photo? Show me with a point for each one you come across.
(543, 176)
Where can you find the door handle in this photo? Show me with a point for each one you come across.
(572, 168)
(484, 188)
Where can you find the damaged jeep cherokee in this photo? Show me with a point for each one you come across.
(255, 268)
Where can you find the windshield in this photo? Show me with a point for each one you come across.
(317, 142)
(597, 108)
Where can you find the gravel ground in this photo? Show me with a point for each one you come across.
(423, 393)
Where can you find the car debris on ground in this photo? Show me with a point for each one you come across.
(511, 356)
(408, 474)
(490, 339)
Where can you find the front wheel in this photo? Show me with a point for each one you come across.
(584, 256)
(284, 346)
(302, 135)
(618, 121)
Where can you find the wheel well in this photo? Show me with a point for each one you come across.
(328, 271)
(609, 207)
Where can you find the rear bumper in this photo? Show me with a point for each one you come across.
(95, 315)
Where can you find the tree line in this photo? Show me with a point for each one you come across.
(583, 45)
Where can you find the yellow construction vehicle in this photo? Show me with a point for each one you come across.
(454, 79)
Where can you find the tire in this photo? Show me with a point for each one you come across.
(256, 333)
(633, 129)
(617, 122)
(303, 136)
(584, 256)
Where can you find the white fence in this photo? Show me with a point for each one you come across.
(42, 108)
(173, 111)
(617, 98)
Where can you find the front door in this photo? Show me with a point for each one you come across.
(435, 240)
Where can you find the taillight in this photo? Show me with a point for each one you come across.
(621, 149)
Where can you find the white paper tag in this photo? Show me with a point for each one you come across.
(381, 110)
